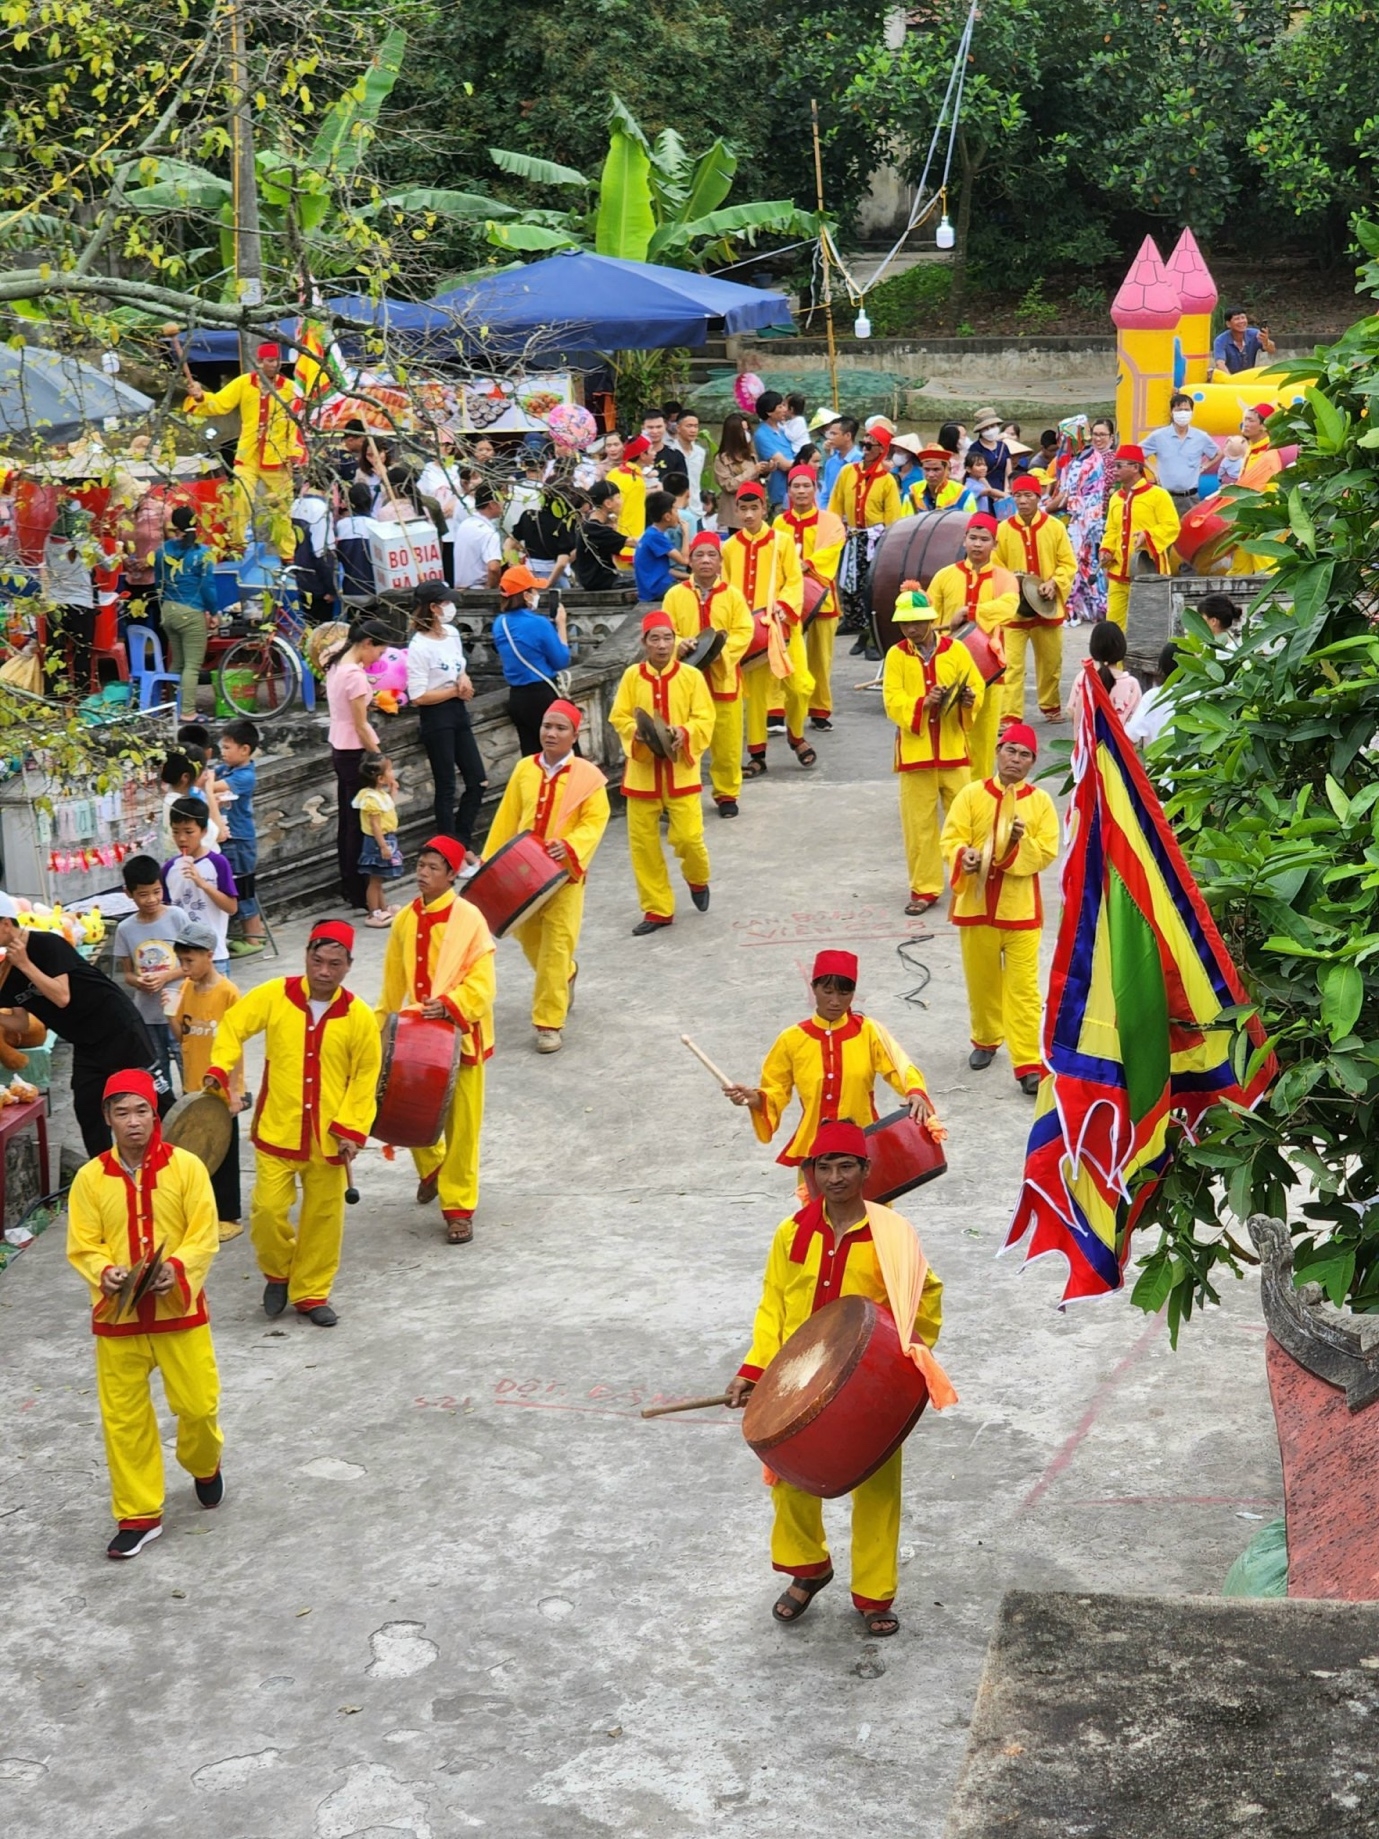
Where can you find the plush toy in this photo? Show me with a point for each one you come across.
(389, 677)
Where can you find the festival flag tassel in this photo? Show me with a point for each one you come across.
(319, 368)
(1134, 1042)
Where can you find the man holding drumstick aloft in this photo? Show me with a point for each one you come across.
(828, 1249)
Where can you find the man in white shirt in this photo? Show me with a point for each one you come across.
(693, 453)
(441, 479)
(1181, 454)
(478, 560)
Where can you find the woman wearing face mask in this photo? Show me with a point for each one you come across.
(1181, 454)
(532, 651)
(1088, 481)
(438, 687)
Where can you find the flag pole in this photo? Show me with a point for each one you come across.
(823, 250)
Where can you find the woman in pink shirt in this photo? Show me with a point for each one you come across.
(1106, 649)
(348, 692)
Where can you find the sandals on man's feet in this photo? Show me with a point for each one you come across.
(459, 1228)
(804, 753)
(789, 1608)
(754, 768)
(881, 1622)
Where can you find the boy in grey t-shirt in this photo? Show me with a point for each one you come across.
(145, 951)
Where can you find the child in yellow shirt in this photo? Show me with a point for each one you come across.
(380, 858)
(205, 996)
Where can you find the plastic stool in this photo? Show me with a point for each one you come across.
(138, 640)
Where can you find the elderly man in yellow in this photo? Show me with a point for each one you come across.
(978, 588)
(1034, 544)
(1001, 835)
(662, 773)
(832, 1062)
(440, 962)
(270, 443)
(819, 537)
(1141, 517)
(933, 692)
(707, 600)
(764, 567)
(844, 1245)
(140, 1198)
(561, 799)
(315, 1108)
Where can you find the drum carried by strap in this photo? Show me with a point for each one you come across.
(707, 648)
(816, 593)
(988, 653)
(902, 1154)
(201, 1122)
(837, 1401)
(421, 1062)
(515, 882)
(761, 639)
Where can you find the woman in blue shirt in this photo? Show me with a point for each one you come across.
(184, 580)
(532, 652)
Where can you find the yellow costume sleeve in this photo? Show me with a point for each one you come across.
(1115, 518)
(739, 629)
(929, 1316)
(472, 998)
(87, 1250)
(398, 956)
(507, 819)
(700, 718)
(960, 827)
(838, 497)
(999, 609)
(889, 1059)
(789, 576)
(358, 1104)
(768, 1329)
(1159, 519)
(1038, 847)
(776, 1084)
(1010, 551)
(826, 557)
(250, 1016)
(681, 608)
(902, 687)
(947, 594)
(223, 401)
(201, 1235)
(586, 832)
(1064, 570)
(887, 500)
(622, 715)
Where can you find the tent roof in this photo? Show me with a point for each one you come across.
(53, 397)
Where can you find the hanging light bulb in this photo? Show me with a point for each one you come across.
(861, 326)
(944, 236)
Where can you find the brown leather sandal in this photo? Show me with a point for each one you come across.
(881, 1622)
(787, 1608)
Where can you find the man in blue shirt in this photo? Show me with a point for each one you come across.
(657, 547)
(1181, 453)
(1240, 345)
(840, 450)
(773, 445)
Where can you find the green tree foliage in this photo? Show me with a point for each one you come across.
(1271, 756)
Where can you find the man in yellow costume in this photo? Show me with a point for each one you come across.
(270, 444)
(1001, 834)
(705, 600)
(819, 537)
(844, 1245)
(142, 1197)
(561, 799)
(1141, 518)
(664, 783)
(938, 490)
(866, 495)
(630, 480)
(764, 567)
(933, 693)
(315, 1108)
(440, 962)
(979, 588)
(832, 1062)
(1033, 543)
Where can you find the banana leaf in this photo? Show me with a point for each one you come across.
(348, 126)
(625, 223)
(778, 217)
(179, 187)
(540, 172)
(714, 172)
(621, 120)
(528, 236)
(455, 207)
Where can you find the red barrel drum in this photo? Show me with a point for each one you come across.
(838, 1399)
(421, 1062)
(815, 594)
(987, 649)
(903, 1155)
(515, 882)
(913, 549)
(761, 627)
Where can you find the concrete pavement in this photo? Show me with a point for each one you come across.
(457, 1584)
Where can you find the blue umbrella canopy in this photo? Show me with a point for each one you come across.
(49, 396)
(397, 318)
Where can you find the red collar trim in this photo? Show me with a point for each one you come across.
(296, 992)
(846, 1030)
(659, 676)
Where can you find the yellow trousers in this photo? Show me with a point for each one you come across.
(133, 1452)
(1002, 972)
(686, 838)
(305, 1256)
(1118, 603)
(725, 751)
(983, 734)
(765, 693)
(799, 1547)
(262, 500)
(1048, 668)
(921, 823)
(818, 651)
(457, 1153)
(549, 939)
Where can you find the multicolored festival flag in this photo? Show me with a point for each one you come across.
(1133, 1038)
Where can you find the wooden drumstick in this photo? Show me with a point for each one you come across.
(685, 1404)
(704, 1060)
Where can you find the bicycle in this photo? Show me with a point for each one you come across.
(262, 675)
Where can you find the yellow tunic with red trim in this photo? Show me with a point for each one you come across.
(819, 541)
(932, 738)
(114, 1219)
(805, 1270)
(724, 607)
(1011, 899)
(833, 1067)
(1140, 507)
(863, 495)
(1041, 548)
(320, 1079)
(918, 496)
(411, 961)
(269, 433)
(536, 800)
(989, 595)
(632, 516)
(680, 696)
(752, 564)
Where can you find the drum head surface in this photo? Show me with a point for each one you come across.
(809, 1371)
(913, 548)
(495, 888)
(200, 1122)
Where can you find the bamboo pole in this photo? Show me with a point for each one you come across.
(823, 250)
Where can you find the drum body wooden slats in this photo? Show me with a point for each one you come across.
(514, 883)
(837, 1401)
(421, 1062)
(815, 595)
(913, 549)
(903, 1155)
(707, 648)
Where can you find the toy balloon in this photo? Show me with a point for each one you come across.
(572, 427)
(390, 673)
(747, 388)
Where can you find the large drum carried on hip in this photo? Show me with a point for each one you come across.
(903, 1155)
(837, 1401)
(913, 549)
(421, 1062)
(514, 883)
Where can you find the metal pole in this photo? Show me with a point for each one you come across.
(244, 183)
(823, 250)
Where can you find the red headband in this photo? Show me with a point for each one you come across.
(882, 437)
(983, 520)
(657, 622)
(133, 1083)
(1020, 734)
(636, 447)
(835, 964)
(1130, 452)
(269, 350)
(449, 851)
(568, 710)
(838, 1139)
(802, 472)
(1025, 485)
(333, 932)
(1264, 410)
(706, 539)
(751, 490)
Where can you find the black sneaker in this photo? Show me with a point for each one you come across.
(1030, 1083)
(700, 897)
(323, 1315)
(274, 1297)
(728, 808)
(980, 1058)
(643, 927)
(211, 1493)
(129, 1541)
(821, 724)
(775, 724)
(856, 650)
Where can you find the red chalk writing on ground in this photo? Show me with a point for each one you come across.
(820, 927)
